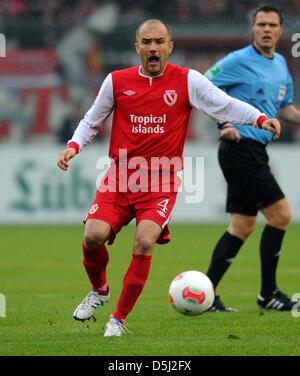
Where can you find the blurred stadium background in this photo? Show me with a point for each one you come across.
(58, 53)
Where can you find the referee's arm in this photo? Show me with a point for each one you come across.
(290, 114)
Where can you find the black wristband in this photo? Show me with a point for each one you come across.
(221, 124)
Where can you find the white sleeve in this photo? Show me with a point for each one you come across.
(208, 98)
(102, 107)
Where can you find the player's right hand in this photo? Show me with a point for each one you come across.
(64, 158)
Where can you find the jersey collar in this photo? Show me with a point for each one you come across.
(150, 77)
(143, 75)
(259, 53)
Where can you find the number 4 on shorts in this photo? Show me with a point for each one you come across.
(163, 204)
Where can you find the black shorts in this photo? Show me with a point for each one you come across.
(251, 185)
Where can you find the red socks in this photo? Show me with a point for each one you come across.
(133, 284)
(95, 265)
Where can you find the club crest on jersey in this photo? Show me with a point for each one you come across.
(170, 97)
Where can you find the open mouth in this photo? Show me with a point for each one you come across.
(153, 60)
(267, 39)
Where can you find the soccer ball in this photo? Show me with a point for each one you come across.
(191, 293)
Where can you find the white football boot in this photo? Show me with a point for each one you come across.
(115, 328)
(90, 303)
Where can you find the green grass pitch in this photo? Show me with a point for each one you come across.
(43, 280)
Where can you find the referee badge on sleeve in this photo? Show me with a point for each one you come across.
(212, 72)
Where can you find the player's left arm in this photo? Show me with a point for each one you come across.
(290, 114)
(287, 111)
(208, 98)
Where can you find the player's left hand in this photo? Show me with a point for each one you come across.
(272, 125)
(230, 133)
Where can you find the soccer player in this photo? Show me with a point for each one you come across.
(151, 103)
(260, 77)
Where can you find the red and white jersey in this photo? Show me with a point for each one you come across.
(151, 113)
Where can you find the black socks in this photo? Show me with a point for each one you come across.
(270, 247)
(223, 255)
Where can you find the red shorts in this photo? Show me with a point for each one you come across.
(119, 208)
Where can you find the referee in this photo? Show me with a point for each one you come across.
(259, 76)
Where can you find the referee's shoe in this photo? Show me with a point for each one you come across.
(219, 306)
(278, 301)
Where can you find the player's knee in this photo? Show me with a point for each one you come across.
(281, 218)
(286, 216)
(243, 229)
(143, 246)
(93, 241)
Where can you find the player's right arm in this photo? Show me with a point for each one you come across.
(64, 158)
(91, 123)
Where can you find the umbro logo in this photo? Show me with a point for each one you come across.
(129, 92)
(93, 209)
